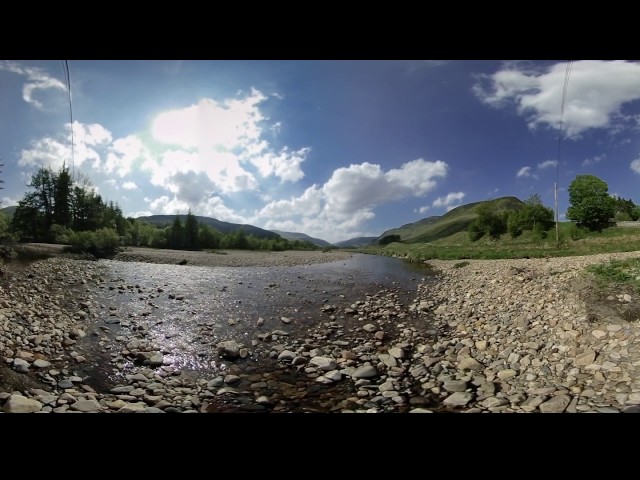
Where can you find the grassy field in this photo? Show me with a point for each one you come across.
(459, 247)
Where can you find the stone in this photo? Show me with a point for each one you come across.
(39, 363)
(333, 375)
(470, 363)
(286, 355)
(156, 359)
(599, 334)
(366, 371)
(556, 404)
(458, 399)
(396, 353)
(229, 349)
(585, 358)
(455, 385)
(135, 407)
(21, 404)
(369, 327)
(388, 360)
(86, 406)
(506, 374)
(493, 402)
(324, 363)
(420, 410)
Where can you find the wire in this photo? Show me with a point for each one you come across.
(67, 77)
(565, 87)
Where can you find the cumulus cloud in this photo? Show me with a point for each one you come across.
(596, 92)
(635, 165)
(423, 209)
(124, 153)
(524, 172)
(285, 164)
(547, 164)
(36, 79)
(593, 160)
(88, 140)
(450, 199)
(225, 140)
(347, 200)
(129, 185)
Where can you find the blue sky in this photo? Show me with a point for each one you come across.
(334, 149)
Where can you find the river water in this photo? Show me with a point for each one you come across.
(184, 311)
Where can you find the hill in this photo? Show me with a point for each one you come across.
(356, 242)
(457, 220)
(303, 237)
(223, 227)
(8, 211)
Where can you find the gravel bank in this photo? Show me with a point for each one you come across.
(230, 258)
(492, 336)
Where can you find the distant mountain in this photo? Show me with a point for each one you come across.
(8, 211)
(302, 236)
(457, 220)
(223, 227)
(356, 242)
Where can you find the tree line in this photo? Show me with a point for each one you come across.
(60, 209)
(591, 207)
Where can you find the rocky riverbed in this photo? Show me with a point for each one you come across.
(492, 336)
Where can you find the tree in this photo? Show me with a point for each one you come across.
(176, 235)
(591, 206)
(62, 183)
(488, 222)
(191, 232)
(532, 216)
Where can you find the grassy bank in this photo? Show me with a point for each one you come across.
(459, 247)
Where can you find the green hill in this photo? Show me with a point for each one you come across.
(223, 227)
(302, 237)
(457, 220)
(8, 211)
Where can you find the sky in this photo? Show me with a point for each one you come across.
(334, 149)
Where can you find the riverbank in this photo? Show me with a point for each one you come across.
(489, 336)
(230, 258)
(531, 336)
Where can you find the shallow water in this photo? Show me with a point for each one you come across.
(212, 304)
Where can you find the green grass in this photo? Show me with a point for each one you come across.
(459, 247)
(618, 273)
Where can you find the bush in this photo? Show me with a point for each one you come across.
(59, 234)
(577, 233)
(101, 243)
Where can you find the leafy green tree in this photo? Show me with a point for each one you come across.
(488, 222)
(532, 216)
(62, 184)
(209, 237)
(176, 234)
(591, 206)
(191, 232)
(626, 210)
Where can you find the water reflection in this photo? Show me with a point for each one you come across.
(185, 311)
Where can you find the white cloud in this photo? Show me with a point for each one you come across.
(635, 165)
(169, 206)
(221, 139)
(143, 213)
(547, 164)
(596, 92)
(285, 165)
(423, 209)
(37, 79)
(338, 209)
(592, 161)
(524, 172)
(123, 153)
(52, 152)
(229, 124)
(129, 185)
(450, 199)
(8, 202)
